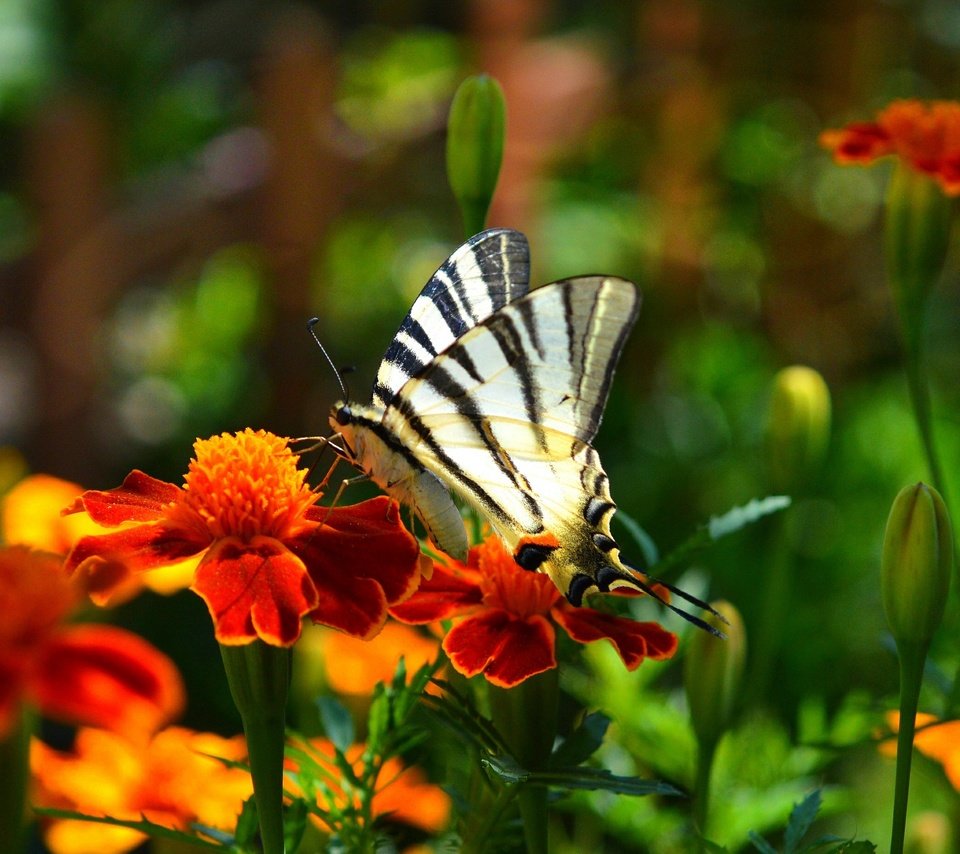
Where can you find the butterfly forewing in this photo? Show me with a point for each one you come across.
(487, 272)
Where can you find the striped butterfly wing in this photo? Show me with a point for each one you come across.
(505, 417)
(488, 271)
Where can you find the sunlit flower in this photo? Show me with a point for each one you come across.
(268, 555)
(173, 780)
(81, 673)
(939, 741)
(924, 136)
(353, 666)
(509, 616)
(402, 794)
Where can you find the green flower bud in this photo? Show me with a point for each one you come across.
(475, 134)
(798, 428)
(916, 564)
(917, 235)
(713, 674)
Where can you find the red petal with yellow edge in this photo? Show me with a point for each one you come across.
(139, 499)
(505, 649)
(138, 548)
(445, 594)
(255, 590)
(633, 641)
(107, 677)
(367, 540)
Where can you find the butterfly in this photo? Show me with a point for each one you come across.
(493, 393)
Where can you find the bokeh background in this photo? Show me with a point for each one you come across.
(183, 184)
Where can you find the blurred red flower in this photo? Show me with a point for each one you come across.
(268, 554)
(924, 136)
(507, 630)
(82, 673)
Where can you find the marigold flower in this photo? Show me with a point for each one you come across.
(173, 780)
(82, 673)
(267, 554)
(507, 632)
(403, 793)
(938, 741)
(924, 136)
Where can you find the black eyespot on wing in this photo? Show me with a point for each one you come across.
(606, 575)
(580, 584)
(531, 555)
(603, 542)
(595, 509)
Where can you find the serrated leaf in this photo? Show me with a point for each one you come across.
(801, 818)
(337, 722)
(595, 779)
(504, 766)
(378, 718)
(721, 526)
(760, 843)
(583, 742)
(247, 822)
(144, 825)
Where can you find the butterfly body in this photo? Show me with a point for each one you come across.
(494, 393)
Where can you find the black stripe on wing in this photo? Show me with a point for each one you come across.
(487, 272)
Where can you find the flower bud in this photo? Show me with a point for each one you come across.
(916, 564)
(917, 237)
(475, 134)
(798, 428)
(713, 674)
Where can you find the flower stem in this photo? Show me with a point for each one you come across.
(701, 803)
(15, 760)
(922, 412)
(912, 656)
(259, 679)
(526, 717)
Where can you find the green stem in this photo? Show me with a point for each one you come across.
(526, 717)
(912, 657)
(701, 803)
(259, 679)
(922, 410)
(15, 762)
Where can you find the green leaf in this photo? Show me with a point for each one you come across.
(713, 847)
(583, 742)
(294, 823)
(801, 818)
(247, 822)
(595, 779)
(721, 526)
(378, 718)
(144, 826)
(761, 844)
(337, 722)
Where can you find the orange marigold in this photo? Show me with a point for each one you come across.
(268, 555)
(924, 136)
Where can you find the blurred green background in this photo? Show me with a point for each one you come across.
(183, 184)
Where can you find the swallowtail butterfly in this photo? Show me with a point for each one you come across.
(494, 393)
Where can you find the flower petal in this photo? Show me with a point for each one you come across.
(504, 648)
(138, 548)
(366, 540)
(139, 499)
(107, 677)
(633, 640)
(255, 590)
(356, 606)
(449, 592)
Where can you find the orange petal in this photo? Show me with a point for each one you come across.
(140, 498)
(255, 590)
(634, 641)
(107, 677)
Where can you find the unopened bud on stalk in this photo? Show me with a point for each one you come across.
(475, 135)
(713, 674)
(798, 427)
(916, 564)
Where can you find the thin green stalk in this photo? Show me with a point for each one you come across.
(912, 656)
(15, 762)
(701, 803)
(922, 412)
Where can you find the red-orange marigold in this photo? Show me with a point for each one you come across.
(269, 554)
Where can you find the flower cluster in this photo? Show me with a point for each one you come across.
(924, 136)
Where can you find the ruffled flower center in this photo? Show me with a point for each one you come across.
(505, 585)
(244, 485)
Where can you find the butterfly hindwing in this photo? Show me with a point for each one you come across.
(487, 272)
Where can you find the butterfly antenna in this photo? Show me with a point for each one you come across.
(648, 588)
(311, 328)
